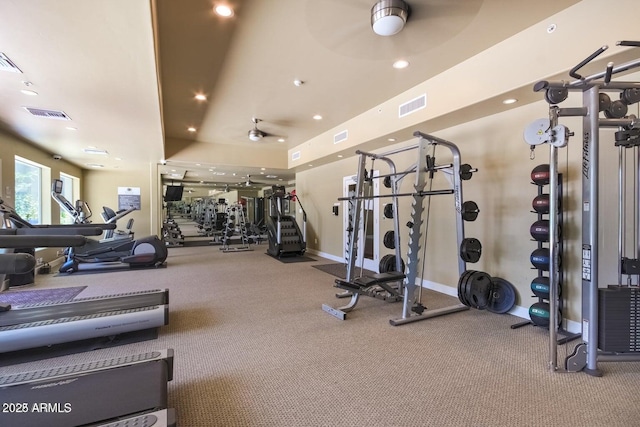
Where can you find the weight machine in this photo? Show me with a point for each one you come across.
(597, 313)
(397, 281)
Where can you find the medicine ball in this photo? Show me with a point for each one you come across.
(540, 230)
(539, 313)
(541, 288)
(540, 174)
(540, 259)
(540, 204)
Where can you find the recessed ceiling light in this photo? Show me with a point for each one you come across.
(280, 139)
(317, 117)
(201, 97)
(391, 140)
(94, 150)
(263, 169)
(94, 165)
(310, 165)
(71, 128)
(223, 10)
(509, 101)
(118, 158)
(191, 129)
(401, 63)
(340, 155)
(29, 92)
(551, 28)
(298, 82)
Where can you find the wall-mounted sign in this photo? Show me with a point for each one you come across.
(129, 197)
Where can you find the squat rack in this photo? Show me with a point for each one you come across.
(405, 279)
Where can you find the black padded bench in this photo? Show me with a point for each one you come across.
(365, 282)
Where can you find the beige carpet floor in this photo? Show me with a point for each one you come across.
(254, 348)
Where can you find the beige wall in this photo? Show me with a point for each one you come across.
(101, 189)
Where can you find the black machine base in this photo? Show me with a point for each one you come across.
(94, 393)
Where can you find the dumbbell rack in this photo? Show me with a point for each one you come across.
(565, 335)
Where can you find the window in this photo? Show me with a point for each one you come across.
(69, 192)
(30, 201)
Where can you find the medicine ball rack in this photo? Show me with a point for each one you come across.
(396, 280)
(539, 311)
(587, 354)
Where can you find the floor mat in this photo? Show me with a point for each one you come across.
(293, 259)
(36, 296)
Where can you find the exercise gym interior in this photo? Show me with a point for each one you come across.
(251, 213)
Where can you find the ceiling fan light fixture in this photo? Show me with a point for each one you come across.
(255, 135)
(389, 16)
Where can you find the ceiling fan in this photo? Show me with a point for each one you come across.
(256, 134)
(249, 182)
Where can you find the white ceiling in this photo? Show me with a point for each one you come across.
(126, 72)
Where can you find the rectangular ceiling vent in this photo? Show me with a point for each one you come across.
(48, 114)
(7, 65)
(412, 106)
(339, 137)
(295, 156)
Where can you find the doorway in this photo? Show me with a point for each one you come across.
(368, 254)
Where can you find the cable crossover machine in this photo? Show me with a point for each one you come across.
(395, 280)
(610, 315)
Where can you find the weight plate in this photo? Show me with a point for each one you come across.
(388, 210)
(470, 250)
(387, 181)
(465, 172)
(479, 289)
(470, 210)
(462, 287)
(389, 239)
(502, 297)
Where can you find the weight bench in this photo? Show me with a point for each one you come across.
(375, 285)
(364, 283)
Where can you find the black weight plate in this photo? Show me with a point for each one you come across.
(387, 181)
(388, 210)
(382, 266)
(502, 297)
(467, 288)
(470, 250)
(470, 210)
(479, 289)
(462, 286)
(465, 172)
(389, 239)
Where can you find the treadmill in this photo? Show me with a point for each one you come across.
(54, 328)
(123, 391)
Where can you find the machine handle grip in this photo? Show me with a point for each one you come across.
(574, 71)
(16, 263)
(51, 241)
